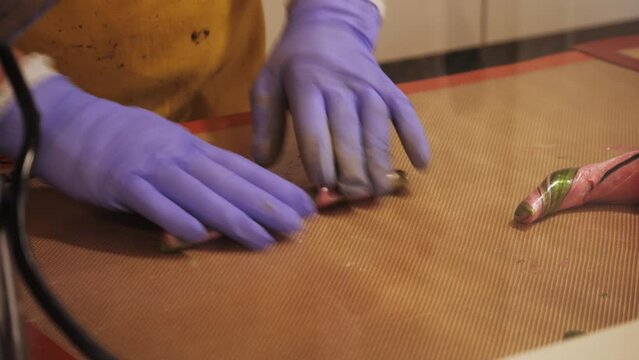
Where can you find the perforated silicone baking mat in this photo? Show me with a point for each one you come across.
(439, 273)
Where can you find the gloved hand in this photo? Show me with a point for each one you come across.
(129, 159)
(324, 71)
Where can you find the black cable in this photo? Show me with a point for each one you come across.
(16, 224)
(12, 338)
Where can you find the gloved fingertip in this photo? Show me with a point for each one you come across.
(420, 158)
(260, 245)
(306, 205)
(411, 132)
(294, 227)
(421, 164)
(263, 153)
(356, 192)
(289, 222)
(257, 238)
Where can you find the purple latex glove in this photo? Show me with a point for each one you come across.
(130, 159)
(323, 70)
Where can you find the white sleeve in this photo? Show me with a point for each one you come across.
(35, 69)
(381, 5)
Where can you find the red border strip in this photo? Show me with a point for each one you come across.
(41, 347)
(608, 50)
(495, 72)
(569, 57)
(219, 123)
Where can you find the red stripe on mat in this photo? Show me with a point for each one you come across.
(569, 57)
(608, 50)
(220, 123)
(41, 347)
(495, 72)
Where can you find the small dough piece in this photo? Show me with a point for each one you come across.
(325, 198)
(171, 244)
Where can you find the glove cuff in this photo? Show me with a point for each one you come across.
(363, 16)
(56, 99)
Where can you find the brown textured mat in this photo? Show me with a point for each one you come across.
(441, 273)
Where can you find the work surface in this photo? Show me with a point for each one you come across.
(439, 273)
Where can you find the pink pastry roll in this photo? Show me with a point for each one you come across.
(325, 198)
(615, 181)
(171, 244)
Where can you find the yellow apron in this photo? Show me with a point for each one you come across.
(184, 60)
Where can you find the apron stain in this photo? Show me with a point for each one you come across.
(197, 36)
